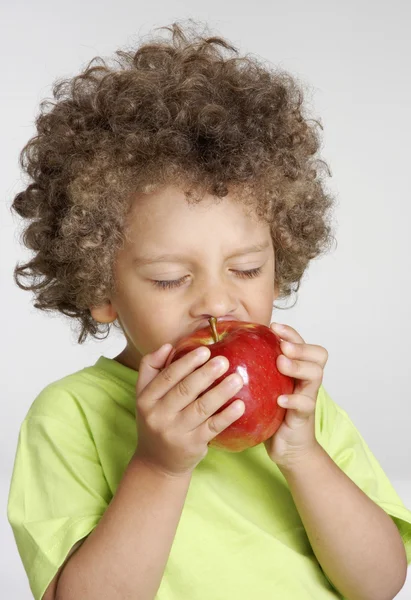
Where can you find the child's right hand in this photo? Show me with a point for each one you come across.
(174, 424)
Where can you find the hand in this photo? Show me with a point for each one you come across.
(295, 438)
(174, 421)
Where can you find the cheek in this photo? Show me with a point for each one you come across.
(262, 303)
(149, 316)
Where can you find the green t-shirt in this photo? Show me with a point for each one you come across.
(239, 536)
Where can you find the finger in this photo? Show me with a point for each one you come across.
(151, 365)
(303, 406)
(165, 380)
(308, 375)
(300, 369)
(220, 421)
(208, 403)
(286, 332)
(307, 352)
(189, 388)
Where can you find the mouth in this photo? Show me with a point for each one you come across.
(206, 322)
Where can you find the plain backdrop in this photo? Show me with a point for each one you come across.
(354, 58)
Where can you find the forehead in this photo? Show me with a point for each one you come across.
(166, 215)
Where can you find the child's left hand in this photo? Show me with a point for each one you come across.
(295, 438)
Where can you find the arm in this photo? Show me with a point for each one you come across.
(126, 554)
(356, 543)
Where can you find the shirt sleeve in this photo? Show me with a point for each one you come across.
(58, 490)
(344, 444)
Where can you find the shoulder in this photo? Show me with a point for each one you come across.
(60, 398)
(338, 434)
(73, 395)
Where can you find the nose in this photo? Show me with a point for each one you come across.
(215, 300)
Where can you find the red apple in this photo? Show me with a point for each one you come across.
(252, 350)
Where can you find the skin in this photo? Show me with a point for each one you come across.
(163, 222)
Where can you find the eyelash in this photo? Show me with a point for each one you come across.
(177, 282)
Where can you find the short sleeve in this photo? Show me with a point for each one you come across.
(342, 441)
(58, 491)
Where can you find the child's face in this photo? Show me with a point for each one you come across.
(205, 236)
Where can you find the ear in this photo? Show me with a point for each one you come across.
(105, 313)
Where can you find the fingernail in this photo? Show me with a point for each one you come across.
(282, 400)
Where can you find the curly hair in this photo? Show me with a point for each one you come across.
(183, 111)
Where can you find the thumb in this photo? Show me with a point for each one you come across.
(150, 366)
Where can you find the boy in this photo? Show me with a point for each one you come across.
(178, 187)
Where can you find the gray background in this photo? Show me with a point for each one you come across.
(355, 56)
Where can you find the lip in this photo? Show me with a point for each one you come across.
(227, 318)
(206, 323)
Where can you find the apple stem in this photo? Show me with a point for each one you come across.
(213, 321)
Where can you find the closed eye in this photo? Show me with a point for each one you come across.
(174, 283)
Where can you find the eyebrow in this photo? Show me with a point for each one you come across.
(146, 260)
